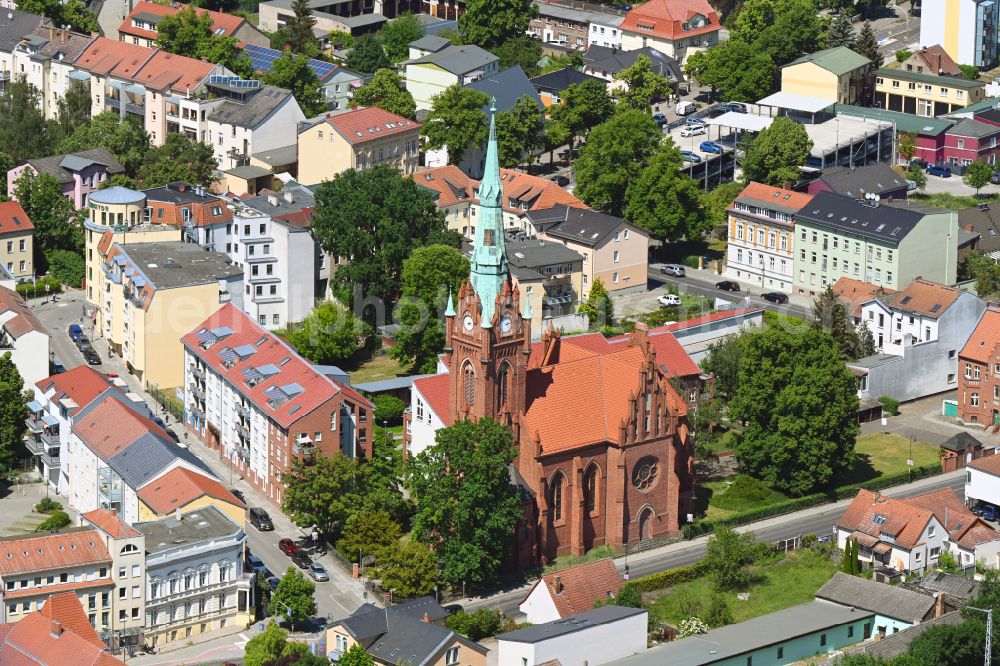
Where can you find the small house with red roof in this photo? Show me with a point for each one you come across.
(566, 592)
(16, 241)
(971, 540)
(58, 634)
(23, 336)
(675, 27)
(139, 27)
(260, 405)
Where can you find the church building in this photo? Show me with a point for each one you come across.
(603, 450)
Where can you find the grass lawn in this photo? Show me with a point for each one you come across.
(952, 201)
(886, 454)
(567, 561)
(789, 580)
(375, 368)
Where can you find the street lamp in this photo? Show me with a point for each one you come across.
(121, 639)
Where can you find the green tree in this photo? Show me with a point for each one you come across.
(598, 307)
(723, 362)
(456, 121)
(430, 274)
(389, 408)
(737, 70)
(74, 108)
(855, 562)
(66, 266)
(984, 271)
(356, 656)
(409, 569)
(396, 35)
(178, 159)
(614, 156)
(71, 13)
(571, 60)
(191, 34)
(584, 105)
(466, 506)
(830, 314)
(950, 644)
(977, 175)
(798, 404)
(840, 32)
(266, 647)
(328, 335)
(24, 133)
(867, 45)
(969, 72)
(987, 597)
(783, 29)
(323, 492)
(386, 91)
(845, 560)
(377, 218)
(727, 556)
(642, 86)
(12, 414)
(664, 200)
(119, 180)
(367, 56)
(56, 521)
(293, 72)
(293, 599)
(523, 51)
(716, 202)
(125, 139)
(58, 224)
(6, 164)
(520, 132)
(719, 614)
(775, 155)
(490, 23)
(368, 533)
(298, 32)
(907, 145)
(384, 477)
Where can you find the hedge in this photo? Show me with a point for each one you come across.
(31, 289)
(670, 577)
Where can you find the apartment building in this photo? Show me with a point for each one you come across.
(675, 27)
(979, 373)
(431, 74)
(139, 27)
(338, 83)
(568, 26)
(57, 401)
(23, 337)
(887, 244)
(43, 55)
(967, 29)
(927, 95)
(762, 236)
(613, 250)
(255, 400)
(16, 241)
(79, 174)
(918, 333)
(550, 277)
(837, 74)
(32, 568)
(196, 585)
(357, 139)
(605, 30)
(151, 294)
(127, 548)
(607, 64)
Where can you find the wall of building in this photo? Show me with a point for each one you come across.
(425, 80)
(423, 423)
(30, 354)
(930, 251)
(982, 486)
(597, 644)
(810, 79)
(631, 267)
(804, 647)
(539, 607)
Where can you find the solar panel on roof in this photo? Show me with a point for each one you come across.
(221, 331)
(204, 336)
(262, 59)
(227, 354)
(274, 393)
(268, 369)
(245, 350)
(292, 389)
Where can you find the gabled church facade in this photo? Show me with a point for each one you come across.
(603, 450)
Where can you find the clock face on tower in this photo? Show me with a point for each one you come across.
(505, 325)
(467, 323)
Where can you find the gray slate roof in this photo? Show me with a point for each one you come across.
(457, 59)
(875, 178)
(973, 128)
(201, 524)
(884, 223)
(69, 44)
(613, 62)
(887, 600)
(252, 112)
(14, 28)
(571, 624)
(175, 264)
(895, 644)
(431, 43)
(61, 167)
(507, 86)
(561, 79)
(956, 586)
(580, 225)
(149, 455)
(536, 253)
(960, 442)
(737, 639)
(984, 220)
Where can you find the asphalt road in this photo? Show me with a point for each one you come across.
(705, 286)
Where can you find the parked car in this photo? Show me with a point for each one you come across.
(728, 285)
(301, 559)
(255, 563)
(318, 573)
(273, 582)
(91, 356)
(717, 111)
(668, 300)
(454, 608)
(995, 178)
(561, 181)
(82, 342)
(775, 297)
(710, 147)
(672, 269)
(977, 510)
(236, 493)
(158, 421)
(940, 170)
(990, 512)
(690, 157)
(260, 519)
(692, 130)
(737, 107)
(287, 546)
(75, 332)
(917, 162)
(685, 107)
(57, 368)
(694, 121)
(660, 119)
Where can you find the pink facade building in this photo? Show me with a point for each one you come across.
(79, 174)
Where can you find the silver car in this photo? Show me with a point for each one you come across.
(673, 269)
(318, 573)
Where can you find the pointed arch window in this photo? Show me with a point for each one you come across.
(470, 385)
(590, 490)
(503, 386)
(649, 410)
(557, 495)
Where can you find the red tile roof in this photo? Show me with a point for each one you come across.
(581, 586)
(452, 184)
(111, 427)
(66, 609)
(106, 56)
(904, 521)
(81, 385)
(963, 527)
(19, 555)
(453, 187)
(855, 292)
(370, 124)
(179, 487)
(13, 219)
(923, 297)
(40, 641)
(768, 194)
(985, 337)
(168, 71)
(24, 320)
(434, 390)
(228, 23)
(308, 388)
(666, 18)
(938, 61)
(109, 522)
(988, 463)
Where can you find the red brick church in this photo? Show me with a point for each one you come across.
(604, 454)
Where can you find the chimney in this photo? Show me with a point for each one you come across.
(288, 196)
(272, 199)
(114, 512)
(640, 337)
(52, 33)
(559, 585)
(177, 514)
(181, 187)
(427, 618)
(55, 629)
(938, 604)
(787, 185)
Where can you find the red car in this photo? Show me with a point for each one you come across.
(287, 546)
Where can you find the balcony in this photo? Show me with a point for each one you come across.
(305, 447)
(51, 458)
(34, 445)
(243, 411)
(265, 299)
(50, 436)
(195, 590)
(109, 486)
(197, 393)
(198, 373)
(34, 425)
(243, 454)
(225, 297)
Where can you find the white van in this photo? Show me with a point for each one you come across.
(685, 107)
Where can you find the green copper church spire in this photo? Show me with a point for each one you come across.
(489, 259)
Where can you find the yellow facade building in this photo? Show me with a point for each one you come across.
(16, 241)
(922, 94)
(836, 74)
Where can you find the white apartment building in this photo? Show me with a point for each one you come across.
(606, 31)
(44, 57)
(195, 582)
(23, 337)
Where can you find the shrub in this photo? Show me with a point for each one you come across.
(890, 405)
(48, 505)
(476, 626)
(691, 261)
(37, 288)
(388, 408)
(902, 55)
(969, 71)
(670, 577)
(745, 489)
(66, 266)
(56, 521)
